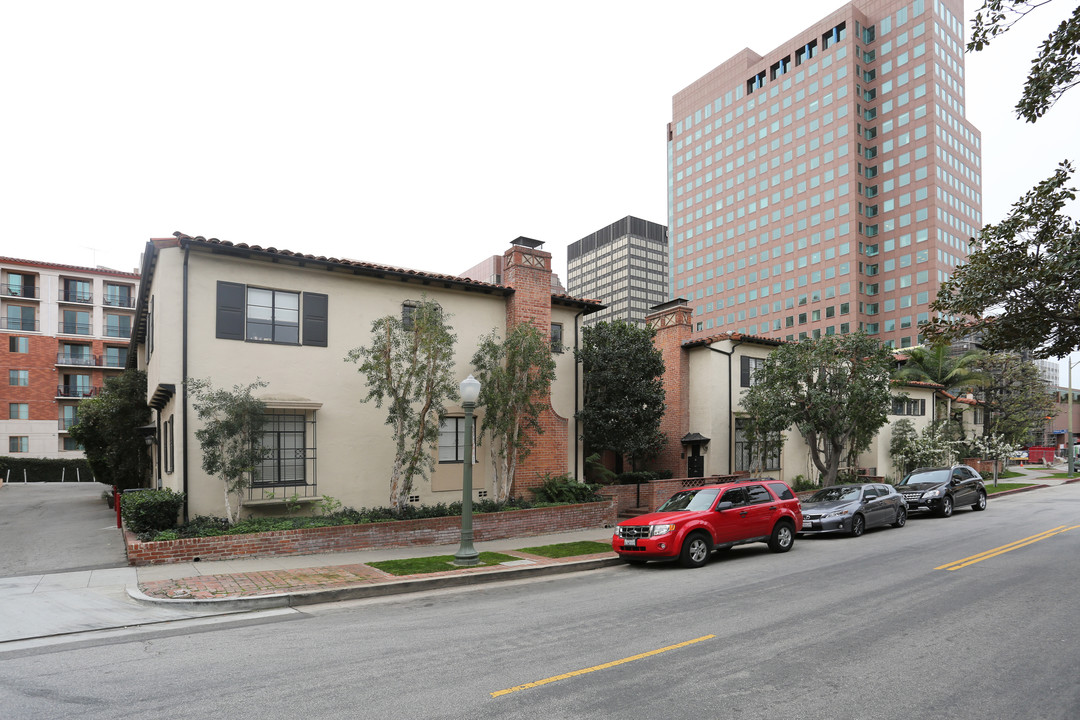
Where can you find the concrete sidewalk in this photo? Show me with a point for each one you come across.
(35, 609)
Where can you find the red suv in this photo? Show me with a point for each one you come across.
(695, 522)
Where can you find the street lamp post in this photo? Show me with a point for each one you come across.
(466, 554)
(1072, 460)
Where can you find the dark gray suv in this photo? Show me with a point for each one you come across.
(941, 490)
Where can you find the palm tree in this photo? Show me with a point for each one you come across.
(937, 364)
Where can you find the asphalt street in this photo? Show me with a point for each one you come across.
(970, 616)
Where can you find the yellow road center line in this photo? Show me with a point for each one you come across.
(575, 673)
(958, 564)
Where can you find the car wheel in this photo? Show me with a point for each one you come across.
(858, 525)
(783, 537)
(695, 551)
(980, 504)
(633, 561)
(901, 517)
(946, 506)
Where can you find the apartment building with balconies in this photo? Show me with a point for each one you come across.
(64, 329)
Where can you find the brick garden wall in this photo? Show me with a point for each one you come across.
(370, 536)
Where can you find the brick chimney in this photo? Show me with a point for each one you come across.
(527, 269)
(672, 322)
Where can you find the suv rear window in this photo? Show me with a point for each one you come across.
(782, 491)
(758, 494)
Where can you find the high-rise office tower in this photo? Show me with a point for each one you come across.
(623, 265)
(831, 184)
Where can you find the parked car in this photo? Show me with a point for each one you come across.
(853, 508)
(941, 490)
(695, 522)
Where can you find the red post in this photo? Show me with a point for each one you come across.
(116, 504)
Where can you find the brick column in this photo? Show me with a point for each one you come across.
(672, 322)
(528, 271)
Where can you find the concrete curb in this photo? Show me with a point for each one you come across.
(381, 589)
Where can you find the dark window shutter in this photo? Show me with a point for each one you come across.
(745, 371)
(230, 310)
(315, 321)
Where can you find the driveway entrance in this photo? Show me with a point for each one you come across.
(57, 527)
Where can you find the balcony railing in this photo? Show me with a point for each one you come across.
(14, 323)
(117, 332)
(124, 301)
(30, 292)
(65, 423)
(75, 328)
(87, 360)
(76, 296)
(114, 362)
(76, 391)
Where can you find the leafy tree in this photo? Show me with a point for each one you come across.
(995, 447)
(107, 426)
(764, 428)
(1016, 399)
(937, 445)
(409, 366)
(834, 390)
(230, 436)
(624, 391)
(515, 385)
(1022, 282)
(1056, 67)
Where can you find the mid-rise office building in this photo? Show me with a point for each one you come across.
(63, 329)
(624, 266)
(828, 185)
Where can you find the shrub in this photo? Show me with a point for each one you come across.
(44, 470)
(564, 489)
(151, 510)
(634, 477)
(800, 483)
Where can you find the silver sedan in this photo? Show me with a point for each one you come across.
(852, 509)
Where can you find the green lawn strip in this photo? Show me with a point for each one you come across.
(569, 549)
(435, 563)
(1006, 474)
(1002, 487)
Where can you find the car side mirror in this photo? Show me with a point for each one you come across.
(726, 505)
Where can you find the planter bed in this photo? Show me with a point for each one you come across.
(371, 536)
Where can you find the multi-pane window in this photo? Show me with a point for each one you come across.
(118, 295)
(755, 456)
(77, 291)
(70, 443)
(68, 416)
(118, 326)
(283, 438)
(750, 366)
(75, 354)
(273, 316)
(18, 411)
(21, 317)
(19, 285)
(75, 386)
(452, 440)
(556, 338)
(18, 444)
(905, 406)
(18, 345)
(19, 377)
(115, 357)
(76, 322)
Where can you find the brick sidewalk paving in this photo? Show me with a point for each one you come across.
(273, 582)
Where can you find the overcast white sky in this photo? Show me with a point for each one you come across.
(417, 134)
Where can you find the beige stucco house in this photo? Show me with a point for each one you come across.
(705, 381)
(234, 313)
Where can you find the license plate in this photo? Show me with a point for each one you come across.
(630, 542)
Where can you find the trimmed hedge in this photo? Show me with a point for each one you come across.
(151, 510)
(44, 470)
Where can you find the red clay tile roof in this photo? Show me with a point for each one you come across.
(61, 266)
